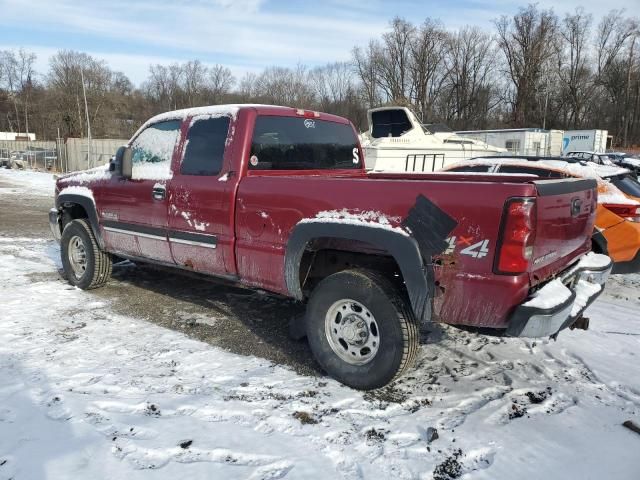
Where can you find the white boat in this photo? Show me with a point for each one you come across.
(397, 142)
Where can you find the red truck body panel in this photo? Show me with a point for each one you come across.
(250, 214)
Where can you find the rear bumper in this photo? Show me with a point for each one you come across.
(54, 224)
(583, 282)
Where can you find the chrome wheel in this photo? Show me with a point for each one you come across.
(77, 254)
(352, 332)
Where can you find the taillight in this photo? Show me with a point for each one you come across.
(628, 212)
(517, 236)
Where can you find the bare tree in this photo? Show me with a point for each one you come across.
(285, 86)
(526, 40)
(220, 82)
(573, 70)
(427, 52)
(17, 72)
(613, 33)
(470, 66)
(365, 66)
(393, 60)
(194, 75)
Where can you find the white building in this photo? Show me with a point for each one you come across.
(12, 136)
(521, 141)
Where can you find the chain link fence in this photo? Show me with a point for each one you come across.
(60, 155)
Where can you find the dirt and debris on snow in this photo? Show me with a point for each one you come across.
(131, 382)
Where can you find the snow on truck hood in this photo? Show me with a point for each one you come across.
(85, 176)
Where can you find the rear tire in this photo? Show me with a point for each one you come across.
(361, 329)
(85, 265)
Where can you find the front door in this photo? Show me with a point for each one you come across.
(201, 198)
(134, 211)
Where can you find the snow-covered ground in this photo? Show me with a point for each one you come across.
(89, 393)
(26, 181)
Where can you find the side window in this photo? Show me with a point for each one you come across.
(205, 146)
(298, 143)
(152, 151)
(512, 145)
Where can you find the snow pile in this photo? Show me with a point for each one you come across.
(608, 193)
(584, 291)
(594, 260)
(551, 295)
(369, 218)
(41, 184)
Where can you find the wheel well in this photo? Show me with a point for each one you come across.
(72, 211)
(324, 257)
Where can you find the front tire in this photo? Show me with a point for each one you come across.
(85, 265)
(361, 329)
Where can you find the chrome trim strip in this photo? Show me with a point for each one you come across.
(191, 242)
(131, 232)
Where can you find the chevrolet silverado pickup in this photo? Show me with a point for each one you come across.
(278, 198)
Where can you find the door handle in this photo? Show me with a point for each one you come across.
(159, 193)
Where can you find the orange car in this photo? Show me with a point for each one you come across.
(617, 226)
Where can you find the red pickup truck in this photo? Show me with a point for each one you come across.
(278, 198)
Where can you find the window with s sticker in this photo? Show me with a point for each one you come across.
(295, 143)
(206, 141)
(152, 151)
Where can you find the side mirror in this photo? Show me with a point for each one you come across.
(123, 162)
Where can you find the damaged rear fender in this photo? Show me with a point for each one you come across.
(417, 274)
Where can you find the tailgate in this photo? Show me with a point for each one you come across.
(564, 225)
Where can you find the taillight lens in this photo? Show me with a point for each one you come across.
(628, 212)
(517, 236)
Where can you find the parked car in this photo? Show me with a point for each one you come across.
(617, 225)
(625, 160)
(595, 157)
(278, 199)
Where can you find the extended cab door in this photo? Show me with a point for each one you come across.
(201, 198)
(134, 211)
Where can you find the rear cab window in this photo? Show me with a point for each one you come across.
(297, 143)
(205, 146)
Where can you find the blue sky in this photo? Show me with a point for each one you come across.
(246, 35)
